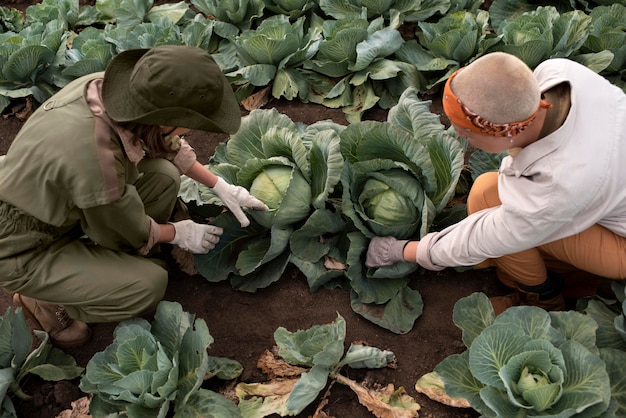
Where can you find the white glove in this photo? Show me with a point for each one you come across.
(194, 237)
(236, 197)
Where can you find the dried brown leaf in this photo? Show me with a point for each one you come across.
(275, 367)
(257, 100)
(383, 403)
(80, 409)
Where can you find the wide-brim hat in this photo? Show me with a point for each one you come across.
(170, 85)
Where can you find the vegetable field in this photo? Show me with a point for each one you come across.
(242, 324)
(287, 302)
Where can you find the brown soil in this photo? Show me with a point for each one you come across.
(242, 324)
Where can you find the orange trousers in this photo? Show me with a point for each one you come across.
(584, 260)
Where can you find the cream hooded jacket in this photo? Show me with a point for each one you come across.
(554, 188)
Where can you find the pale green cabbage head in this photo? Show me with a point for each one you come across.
(385, 205)
(285, 191)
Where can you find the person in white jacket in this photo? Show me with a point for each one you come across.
(557, 205)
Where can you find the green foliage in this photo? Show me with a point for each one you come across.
(528, 362)
(608, 33)
(273, 54)
(153, 368)
(19, 358)
(349, 56)
(239, 13)
(449, 43)
(542, 34)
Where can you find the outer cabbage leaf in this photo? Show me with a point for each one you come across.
(446, 152)
(614, 360)
(398, 314)
(609, 315)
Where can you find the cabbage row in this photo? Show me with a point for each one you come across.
(331, 188)
(353, 55)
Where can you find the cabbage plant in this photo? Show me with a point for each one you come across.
(151, 369)
(239, 13)
(542, 34)
(31, 60)
(273, 53)
(528, 362)
(448, 43)
(19, 357)
(410, 10)
(398, 178)
(358, 54)
(608, 33)
(292, 8)
(295, 170)
(399, 174)
(319, 353)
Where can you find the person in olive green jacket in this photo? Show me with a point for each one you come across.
(90, 182)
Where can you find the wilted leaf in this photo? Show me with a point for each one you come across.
(432, 386)
(386, 402)
(257, 100)
(275, 367)
(80, 409)
(263, 399)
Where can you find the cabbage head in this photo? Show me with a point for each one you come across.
(399, 175)
(283, 188)
(527, 362)
(388, 200)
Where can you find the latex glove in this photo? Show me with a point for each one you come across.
(194, 237)
(236, 197)
(385, 251)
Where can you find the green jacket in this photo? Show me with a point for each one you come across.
(60, 172)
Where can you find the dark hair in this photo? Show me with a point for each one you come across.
(151, 136)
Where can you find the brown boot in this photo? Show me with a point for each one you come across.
(517, 298)
(64, 331)
(547, 295)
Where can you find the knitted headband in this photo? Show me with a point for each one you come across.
(462, 116)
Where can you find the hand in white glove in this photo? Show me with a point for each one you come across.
(194, 237)
(385, 251)
(236, 197)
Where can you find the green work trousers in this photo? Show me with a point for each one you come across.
(93, 283)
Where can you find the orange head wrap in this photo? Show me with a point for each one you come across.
(460, 115)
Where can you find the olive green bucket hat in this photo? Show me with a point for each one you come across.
(170, 85)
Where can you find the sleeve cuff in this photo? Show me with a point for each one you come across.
(422, 254)
(153, 238)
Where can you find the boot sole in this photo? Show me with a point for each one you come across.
(29, 316)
